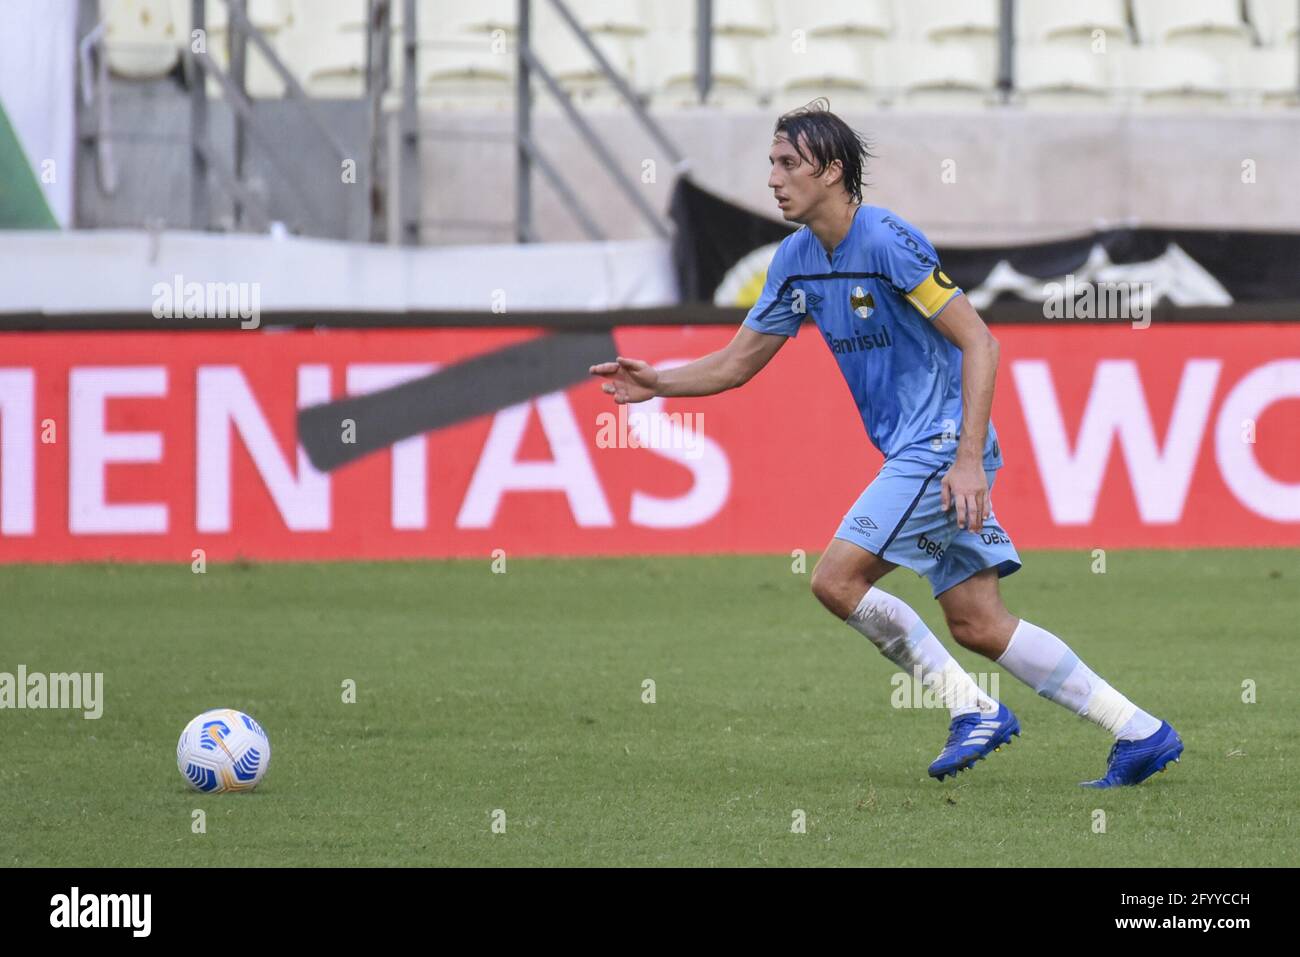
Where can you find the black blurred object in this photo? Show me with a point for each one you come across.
(714, 234)
(477, 386)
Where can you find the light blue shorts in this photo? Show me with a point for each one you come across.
(898, 518)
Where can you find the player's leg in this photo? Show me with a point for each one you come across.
(863, 551)
(845, 581)
(976, 617)
(980, 622)
(893, 523)
(844, 573)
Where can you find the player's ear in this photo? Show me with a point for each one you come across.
(833, 173)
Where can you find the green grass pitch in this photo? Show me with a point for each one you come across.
(523, 692)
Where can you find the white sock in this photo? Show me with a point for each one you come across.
(1046, 663)
(904, 639)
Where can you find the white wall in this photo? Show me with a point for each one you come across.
(1019, 175)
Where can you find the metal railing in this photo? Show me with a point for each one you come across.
(248, 125)
(529, 154)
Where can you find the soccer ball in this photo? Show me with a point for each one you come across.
(223, 750)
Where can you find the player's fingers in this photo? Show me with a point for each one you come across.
(977, 512)
(944, 496)
(607, 387)
(960, 501)
(604, 368)
(631, 364)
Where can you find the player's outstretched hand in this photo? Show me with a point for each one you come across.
(628, 380)
(966, 486)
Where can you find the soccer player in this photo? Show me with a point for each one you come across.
(921, 364)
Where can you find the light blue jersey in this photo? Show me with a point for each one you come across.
(874, 300)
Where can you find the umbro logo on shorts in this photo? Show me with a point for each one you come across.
(864, 523)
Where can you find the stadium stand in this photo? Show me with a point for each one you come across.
(1189, 53)
(888, 64)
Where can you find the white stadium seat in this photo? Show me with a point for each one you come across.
(864, 19)
(668, 18)
(1214, 26)
(141, 38)
(868, 18)
(622, 17)
(467, 78)
(941, 76)
(576, 70)
(751, 18)
(214, 16)
(439, 19)
(1267, 78)
(829, 61)
(1172, 78)
(465, 57)
(322, 42)
(269, 16)
(1074, 22)
(1278, 21)
(672, 76)
(326, 59)
(972, 25)
(1051, 77)
(837, 67)
(939, 20)
(260, 79)
(321, 15)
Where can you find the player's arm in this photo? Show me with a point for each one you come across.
(965, 484)
(631, 380)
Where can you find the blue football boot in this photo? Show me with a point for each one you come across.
(1132, 762)
(972, 737)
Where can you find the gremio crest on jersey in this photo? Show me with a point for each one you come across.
(862, 303)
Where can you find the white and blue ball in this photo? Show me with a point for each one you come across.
(223, 750)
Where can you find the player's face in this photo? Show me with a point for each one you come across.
(792, 181)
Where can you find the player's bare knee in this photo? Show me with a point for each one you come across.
(823, 586)
(965, 631)
(978, 633)
(836, 591)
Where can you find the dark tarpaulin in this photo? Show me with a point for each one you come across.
(713, 234)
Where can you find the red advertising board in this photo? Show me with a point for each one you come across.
(146, 446)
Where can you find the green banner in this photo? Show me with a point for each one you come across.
(22, 204)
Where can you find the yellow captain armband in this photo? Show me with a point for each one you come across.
(933, 293)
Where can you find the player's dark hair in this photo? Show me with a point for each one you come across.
(820, 138)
